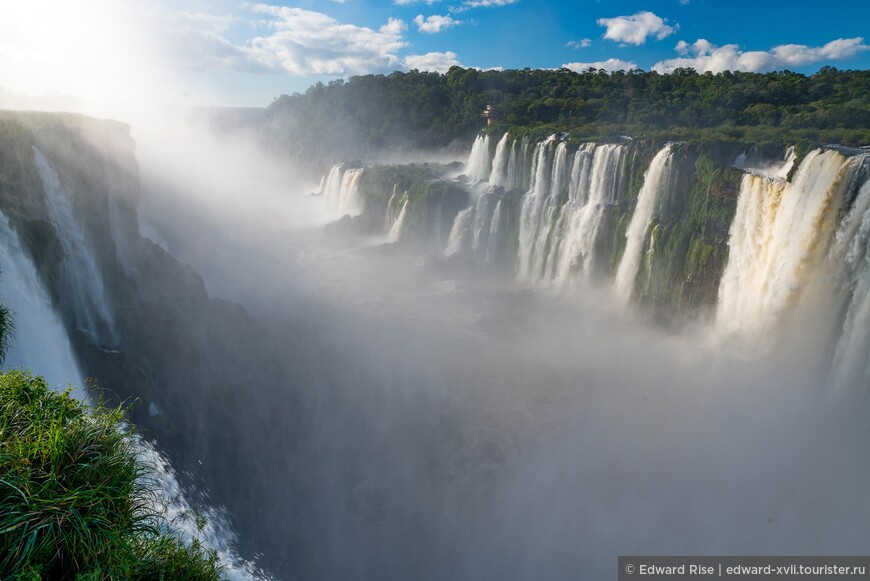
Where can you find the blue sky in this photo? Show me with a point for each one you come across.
(225, 52)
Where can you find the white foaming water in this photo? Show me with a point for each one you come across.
(595, 182)
(331, 185)
(483, 212)
(500, 162)
(654, 181)
(533, 205)
(349, 200)
(398, 227)
(772, 169)
(779, 238)
(478, 166)
(547, 212)
(494, 232)
(40, 343)
(390, 217)
(852, 250)
(460, 234)
(213, 530)
(82, 277)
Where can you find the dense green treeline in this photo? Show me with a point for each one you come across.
(423, 109)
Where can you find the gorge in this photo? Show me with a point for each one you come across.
(518, 358)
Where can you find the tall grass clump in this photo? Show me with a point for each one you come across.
(76, 501)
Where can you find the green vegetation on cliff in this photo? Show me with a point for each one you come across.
(76, 501)
(421, 109)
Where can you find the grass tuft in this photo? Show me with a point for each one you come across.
(75, 500)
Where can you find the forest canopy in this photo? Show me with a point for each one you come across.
(430, 110)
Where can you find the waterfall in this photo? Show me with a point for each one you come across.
(340, 190)
(40, 343)
(500, 162)
(398, 227)
(349, 200)
(544, 234)
(778, 240)
(216, 532)
(320, 188)
(81, 275)
(751, 162)
(478, 166)
(851, 249)
(483, 212)
(512, 167)
(331, 187)
(595, 183)
(494, 244)
(533, 204)
(390, 218)
(460, 233)
(654, 181)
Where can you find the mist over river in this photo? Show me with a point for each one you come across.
(442, 418)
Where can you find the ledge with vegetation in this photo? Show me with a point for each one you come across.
(76, 500)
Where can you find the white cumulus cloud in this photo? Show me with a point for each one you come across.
(468, 4)
(610, 65)
(702, 55)
(582, 43)
(303, 42)
(439, 62)
(635, 29)
(435, 23)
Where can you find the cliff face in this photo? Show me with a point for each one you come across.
(140, 322)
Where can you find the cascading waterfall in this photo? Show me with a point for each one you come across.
(40, 341)
(349, 200)
(751, 162)
(340, 189)
(533, 203)
(595, 183)
(546, 215)
(460, 234)
(483, 212)
(331, 187)
(495, 240)
(500, 162)
(398, 227)
(478, 166)
(215, 532)
(852, 250)
(654, 182)
(778, 241)
(82, 277)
